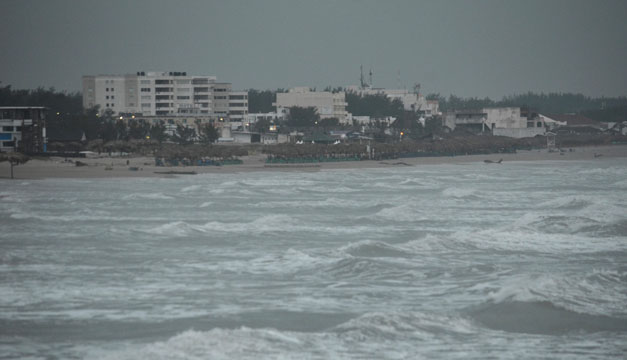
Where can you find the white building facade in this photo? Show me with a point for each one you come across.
(160, 94)
(327, 104)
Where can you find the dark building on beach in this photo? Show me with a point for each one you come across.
(23, 129)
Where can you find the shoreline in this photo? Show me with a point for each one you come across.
(55, 167)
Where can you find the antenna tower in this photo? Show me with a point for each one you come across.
(361, 76)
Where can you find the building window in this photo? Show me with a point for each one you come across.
(107, 89)
(145, 90)
(112, 96)
(107, 104)
(146, 105)
(145, 82)
(8, 143)
(182, 98)
(146, 97)
(131, 90)
(7, 128)
(107, 97)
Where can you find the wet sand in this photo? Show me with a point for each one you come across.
(107, 167)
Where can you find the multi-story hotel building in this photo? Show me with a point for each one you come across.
(162, 94)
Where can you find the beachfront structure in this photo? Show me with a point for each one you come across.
(22, 128)
(503, 121)
(470, 121)
(327, 104)
(162, 94)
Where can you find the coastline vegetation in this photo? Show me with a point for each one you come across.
(105, 133)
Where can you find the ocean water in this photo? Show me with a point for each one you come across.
(474, 261)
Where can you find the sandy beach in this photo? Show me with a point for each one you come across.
(114, 167)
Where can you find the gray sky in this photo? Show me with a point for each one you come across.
(469, 48)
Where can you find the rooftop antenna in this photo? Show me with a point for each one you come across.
(370, 77)
(398, 78)
(361, 76)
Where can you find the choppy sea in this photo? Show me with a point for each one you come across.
(473, 261)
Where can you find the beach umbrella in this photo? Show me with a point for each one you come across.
(14, 159)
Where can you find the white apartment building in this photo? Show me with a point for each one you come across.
(238, 105)
(327, 104)
(159, 94)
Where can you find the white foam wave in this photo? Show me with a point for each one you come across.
(456, 192)
(67, 218)
(370, 248)
(396, 325)
(405, 212)
(173, 229)
(372, 335)
(190, 188)
(149, 196)
(600, 292)
(568, 202)
(242, 343)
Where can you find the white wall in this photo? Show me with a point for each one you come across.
(505, 117)
(327, 104)
(519, 132)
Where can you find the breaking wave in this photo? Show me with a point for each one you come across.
(148, 196)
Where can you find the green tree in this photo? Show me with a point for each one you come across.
(184, 135)
(208, 133)
(138, 129)
(157, 132)
(262, 126)
(121, 130)
(329, 122)
(260, 101)
(302, 116)
(376, 106)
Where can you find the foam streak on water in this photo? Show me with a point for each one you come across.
(520, 260)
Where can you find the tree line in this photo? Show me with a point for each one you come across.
(66, 112)
(548, 103)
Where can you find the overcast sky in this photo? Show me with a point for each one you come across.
(468, 48)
